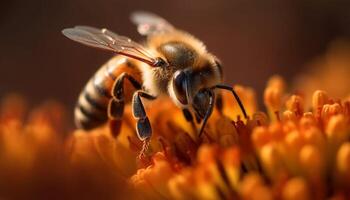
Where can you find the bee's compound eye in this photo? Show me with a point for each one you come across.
(179, 86)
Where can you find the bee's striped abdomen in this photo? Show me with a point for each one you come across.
(92, 105)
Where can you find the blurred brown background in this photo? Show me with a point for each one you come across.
(253, 38)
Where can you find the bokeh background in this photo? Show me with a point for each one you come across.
(253, 38)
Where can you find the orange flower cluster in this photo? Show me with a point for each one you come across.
(329, 72)
(293, 154)
(39, 159)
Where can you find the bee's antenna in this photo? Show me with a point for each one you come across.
(225, 87)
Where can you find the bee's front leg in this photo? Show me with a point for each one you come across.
(189, 118)
(143, 126)
(187, 114)
(219, 102)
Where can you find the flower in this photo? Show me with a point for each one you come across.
(328, 72)
(37, 162)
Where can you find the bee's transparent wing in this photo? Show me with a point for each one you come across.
(150, 24)
(105, 39)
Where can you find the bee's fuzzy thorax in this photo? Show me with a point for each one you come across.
(179, 36)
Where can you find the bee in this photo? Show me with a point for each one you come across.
(172, 62)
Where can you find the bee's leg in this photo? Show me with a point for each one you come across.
(208, 112)
(116, 104)
(188, 116)
(198, 118)
(143, 126)
(118, 87)
(115, 109)
(225, 87)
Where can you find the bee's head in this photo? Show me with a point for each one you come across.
(187, 83)
(183, 90)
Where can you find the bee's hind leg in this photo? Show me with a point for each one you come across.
(143, 126)
(116, 104)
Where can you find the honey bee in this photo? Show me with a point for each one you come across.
(172, 62)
